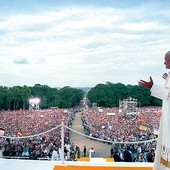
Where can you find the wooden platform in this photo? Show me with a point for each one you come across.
(102, 164)
(93, 167)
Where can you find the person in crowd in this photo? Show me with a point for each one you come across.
(116, 156)
(151, 156)
(138, 151)
(127, 155)
(25, 152)
(84, 151)
(72, 157)
(55, 154)
(111, 152)
(33, 155)
(66, 152)
(141, 158)
(1, 151)
(91, 152)
(77, 152)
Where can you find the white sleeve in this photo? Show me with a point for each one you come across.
(159, 92)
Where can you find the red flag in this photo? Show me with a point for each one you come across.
(140, 120)
(104, 120)
(2, 130)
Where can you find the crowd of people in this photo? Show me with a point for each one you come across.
(109, 124)
(30, 123)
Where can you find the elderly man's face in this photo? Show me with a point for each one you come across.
(167, 62)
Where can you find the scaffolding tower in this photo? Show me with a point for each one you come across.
(128, 106)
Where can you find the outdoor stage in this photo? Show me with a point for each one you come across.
(92, 164)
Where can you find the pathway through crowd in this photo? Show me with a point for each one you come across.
(101, 149)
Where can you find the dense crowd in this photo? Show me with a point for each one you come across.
(26, 123)
(104, 123)
(109, 124)
(114, 125)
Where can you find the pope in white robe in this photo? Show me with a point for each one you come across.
(162, 157)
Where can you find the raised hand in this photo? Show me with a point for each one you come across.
(146, 84)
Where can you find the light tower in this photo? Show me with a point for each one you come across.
(34, 103)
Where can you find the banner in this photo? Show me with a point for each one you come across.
(142, 127)
(110, 114)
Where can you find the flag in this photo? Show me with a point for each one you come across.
(140, 120)
(104, 121)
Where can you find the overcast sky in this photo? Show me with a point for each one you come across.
(81, 43)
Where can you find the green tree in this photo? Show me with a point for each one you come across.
(69, 97)
(109, 94)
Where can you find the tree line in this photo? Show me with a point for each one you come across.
(109, 94)
(105, 95)
(16, 97)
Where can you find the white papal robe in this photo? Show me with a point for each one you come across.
(162, 157)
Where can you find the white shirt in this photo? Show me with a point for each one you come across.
(55, 156)
(91, 152)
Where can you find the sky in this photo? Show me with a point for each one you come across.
(82, 43)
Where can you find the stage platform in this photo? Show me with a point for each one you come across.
(91, 164)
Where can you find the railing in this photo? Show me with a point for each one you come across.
(24, 157)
